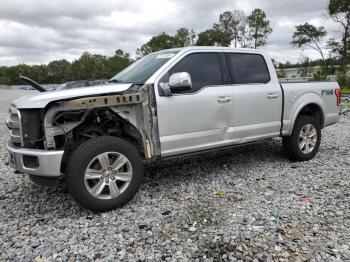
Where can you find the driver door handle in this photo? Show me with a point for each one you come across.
(224, 99)
(272, 96)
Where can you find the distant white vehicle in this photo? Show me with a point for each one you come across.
(80, 83)
(26, 88)
(169, 103)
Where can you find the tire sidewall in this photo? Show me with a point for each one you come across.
(301, 122)
(81, 158)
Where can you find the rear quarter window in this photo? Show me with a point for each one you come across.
(247, 68)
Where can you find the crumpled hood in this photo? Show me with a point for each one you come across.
(42, 99)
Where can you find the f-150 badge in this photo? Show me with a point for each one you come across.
(327, 92)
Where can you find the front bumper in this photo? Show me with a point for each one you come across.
(35, 161)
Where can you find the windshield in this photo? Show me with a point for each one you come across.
(142, 69)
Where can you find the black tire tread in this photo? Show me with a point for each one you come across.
(83, 155)
(290, 143)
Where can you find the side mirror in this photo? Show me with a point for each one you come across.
(180, 81)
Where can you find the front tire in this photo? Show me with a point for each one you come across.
(305, 139)
(104, 173)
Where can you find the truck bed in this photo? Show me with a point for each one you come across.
(298, 94)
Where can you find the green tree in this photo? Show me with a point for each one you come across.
(89, 67)
(21, 69)
(305, 69)
(209, 37)
(58, 71)
(309, 35)
(3, 76)
(157, 43)
(343, 79)
(11, 74)
(225, 27)
(288, 64)
(319, 75)
(259, 27)
(339, 11)
(229, 28)
(118, 62)
(185, 37)
(39, 73)
(281, 73)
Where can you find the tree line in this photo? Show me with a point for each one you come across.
(308, 35)
(88, 66)
(233, 28)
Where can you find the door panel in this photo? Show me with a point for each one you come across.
(199, 118)
(257, 100)
(257, 111)
(199, 121)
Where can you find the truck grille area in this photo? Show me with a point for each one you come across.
(13, 122)
(32, 129)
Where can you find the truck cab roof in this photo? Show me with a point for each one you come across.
(216, 48)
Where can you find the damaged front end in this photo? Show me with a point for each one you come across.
(63, 124)
(129, 115)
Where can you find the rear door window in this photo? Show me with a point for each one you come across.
(247, 68)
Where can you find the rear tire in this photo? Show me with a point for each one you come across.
(104, 173)
(305, 139)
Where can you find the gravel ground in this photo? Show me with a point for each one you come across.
(247, 203)
(7, 95)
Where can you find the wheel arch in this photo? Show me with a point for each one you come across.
(312, 108)
(128, 132)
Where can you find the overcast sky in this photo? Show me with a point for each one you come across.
(37, 31)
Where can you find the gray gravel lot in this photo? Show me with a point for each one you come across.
(7, 95)
(248, 203)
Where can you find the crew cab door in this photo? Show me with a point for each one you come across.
(199, 118)
(257, 97)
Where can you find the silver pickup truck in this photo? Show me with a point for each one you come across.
(169, 103)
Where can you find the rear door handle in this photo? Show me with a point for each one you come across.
(272, 96)
(224, 99)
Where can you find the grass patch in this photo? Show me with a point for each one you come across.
(345, 90)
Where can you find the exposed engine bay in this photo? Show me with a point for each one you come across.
(64, 125)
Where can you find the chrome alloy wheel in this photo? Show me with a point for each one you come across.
(307, 138)
(108, 175)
